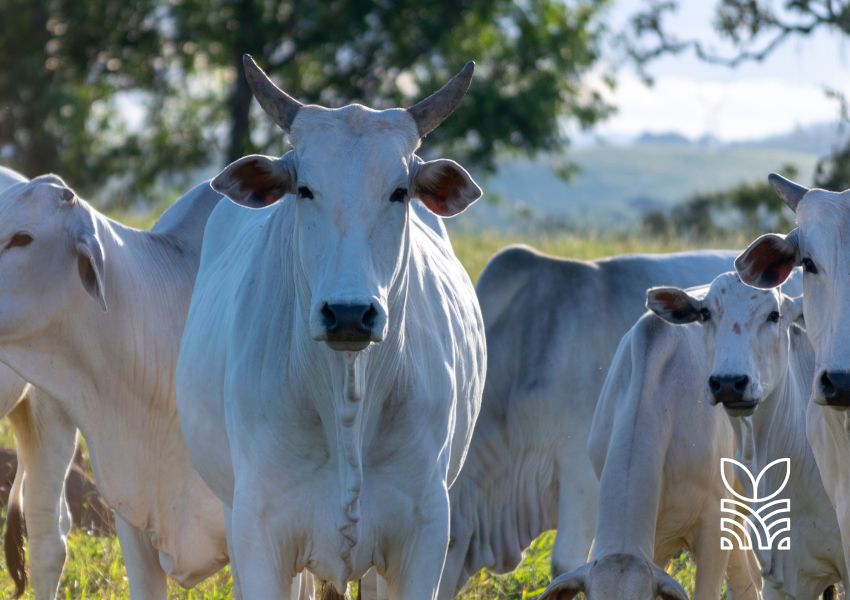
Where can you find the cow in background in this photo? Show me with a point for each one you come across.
(552, 326)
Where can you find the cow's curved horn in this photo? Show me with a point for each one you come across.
(279, 105)
(790, 192)
(434, 109)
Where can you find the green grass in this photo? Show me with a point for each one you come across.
(95, 569)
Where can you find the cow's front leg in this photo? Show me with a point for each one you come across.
(711, 561)
(255, 549)
(46, 441)
(414, 574)
(578, 494)
(144, 573)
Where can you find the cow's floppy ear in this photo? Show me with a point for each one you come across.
(255, 180)
(668, 588)
(90, 258)
(769, 260)
(566, 586)
(87, 245)
(674, 305)
(443, 186)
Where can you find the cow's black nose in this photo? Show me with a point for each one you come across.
(348, 326)
(835, 387)
(728, 389)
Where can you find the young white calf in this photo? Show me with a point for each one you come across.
(45, 445)
(761, 364)
(657, 450)
(91, 312)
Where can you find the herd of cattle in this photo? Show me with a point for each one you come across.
(293, 387)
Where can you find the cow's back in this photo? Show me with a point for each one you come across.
(568, 317)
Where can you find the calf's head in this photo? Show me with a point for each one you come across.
(818, 244)
(616, 577)
(746, 335)
(351, 173)
(51, 256)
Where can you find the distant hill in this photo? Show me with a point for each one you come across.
(616, 185)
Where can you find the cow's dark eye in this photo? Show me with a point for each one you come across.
(305, 192)
(399, 195)
(20, 239)
(809, 265)
(704, 315)
(773, 317)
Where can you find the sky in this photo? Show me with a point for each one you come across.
(755, 100)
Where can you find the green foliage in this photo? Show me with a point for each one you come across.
(746, 208)
(531, 56)
(753, 28)
(149, 89)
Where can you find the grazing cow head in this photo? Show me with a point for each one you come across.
(616, 577)
(820, 245)
(50, 255)
(352, 173)
(746, 333)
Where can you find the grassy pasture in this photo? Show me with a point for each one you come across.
(95, 569)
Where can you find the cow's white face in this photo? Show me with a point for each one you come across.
(746, 334)
(50, 256)
(352, 173)
(819, 245)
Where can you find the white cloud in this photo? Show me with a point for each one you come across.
(729, 110)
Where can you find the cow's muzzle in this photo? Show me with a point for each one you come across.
(731, 392)
(835, 389)
(349, 327)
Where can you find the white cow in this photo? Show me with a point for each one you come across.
(761, 364)
(552, 327)
(820, 245)
(657, 442)
(91, 312)
(333, 357)
(45, 448)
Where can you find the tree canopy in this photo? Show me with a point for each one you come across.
(142, 90)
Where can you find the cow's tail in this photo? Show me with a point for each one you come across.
(13, 539)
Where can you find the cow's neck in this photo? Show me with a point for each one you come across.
(779, 429)
(114, 374)
(631, 482)
(349, 389)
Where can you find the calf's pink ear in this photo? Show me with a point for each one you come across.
(444, 187)
(769, 260)
(255, 180)
(674, 305)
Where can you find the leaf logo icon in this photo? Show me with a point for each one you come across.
(743, 474)
(763, 519)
